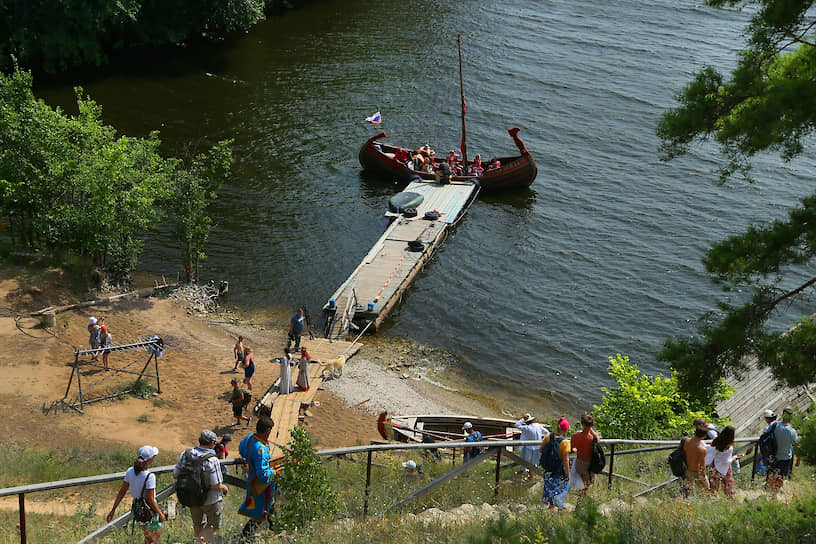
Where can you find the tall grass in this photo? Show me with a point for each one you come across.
(608, 516)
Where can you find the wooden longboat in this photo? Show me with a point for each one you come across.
(514, 172)
(442, 428)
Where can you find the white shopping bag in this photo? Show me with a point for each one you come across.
(576, 482)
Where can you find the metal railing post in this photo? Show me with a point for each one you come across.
(367, 485)
(498, 474)
(611, 464)
(21, 501)
(754, 463)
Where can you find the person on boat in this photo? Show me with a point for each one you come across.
(476, 167)
(452, 159)
(494, 164)
(401, 155)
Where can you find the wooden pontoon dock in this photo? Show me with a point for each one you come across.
(372, 290)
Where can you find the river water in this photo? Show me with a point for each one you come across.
(535, 290)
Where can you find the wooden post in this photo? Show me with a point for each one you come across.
(498, 473)
(156, 360)
(611, 464)
(79, 383)
(21, 500)
(367, 485)
(754, 463)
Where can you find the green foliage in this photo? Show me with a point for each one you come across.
(306, 492)
(193, 190)
(141, 389)
(766, 105)
(807, 438)
(646, 407)
(70, 184)
(57, 34)
(768, 522)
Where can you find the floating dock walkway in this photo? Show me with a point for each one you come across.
(364, 300)
(372, 290)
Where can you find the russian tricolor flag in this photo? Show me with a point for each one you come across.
(375, 119)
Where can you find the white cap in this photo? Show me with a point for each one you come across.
(467, 425)
(146, 453)
(92, 321)
(410, 464)
(768, 414)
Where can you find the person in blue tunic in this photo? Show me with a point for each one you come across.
(257, 452)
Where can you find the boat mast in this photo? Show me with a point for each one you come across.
(462, 94)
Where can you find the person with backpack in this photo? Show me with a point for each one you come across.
(786, 438)
(554, 463)
(583, 444)
(695, 452)
(200, 486)
(471, 435)
(142, 485)
(238, 401)
(256, 451)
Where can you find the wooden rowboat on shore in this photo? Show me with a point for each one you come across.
(440, 428)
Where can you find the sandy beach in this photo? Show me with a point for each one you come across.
(195, 373)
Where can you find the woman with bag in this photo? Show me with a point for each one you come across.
(582, 445)
(142, 486)
(554, 463)
(719, 456)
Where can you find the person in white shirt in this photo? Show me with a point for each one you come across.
(719, 457)
(530, 430)
(142, 484)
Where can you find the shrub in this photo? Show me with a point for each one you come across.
(306, 492)
(807, 439)
(646, 407)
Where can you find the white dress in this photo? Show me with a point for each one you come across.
(285, 375)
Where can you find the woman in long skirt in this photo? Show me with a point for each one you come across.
(286, 373)
(303, 380)
(557, 476)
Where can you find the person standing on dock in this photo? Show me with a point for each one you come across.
(303, 379)
(530, 430)
(286, 364)
(295, 329)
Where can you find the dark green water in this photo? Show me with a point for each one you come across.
(534, 290)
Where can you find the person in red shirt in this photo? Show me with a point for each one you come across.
(581, 443)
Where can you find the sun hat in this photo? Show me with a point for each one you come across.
(92, 321)
(563, 424)
(103, 328)
(410, 464)
(528, 418)
(788, 410)
(227, 438)
(768, 414)
(467, 425)
(146, 453)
